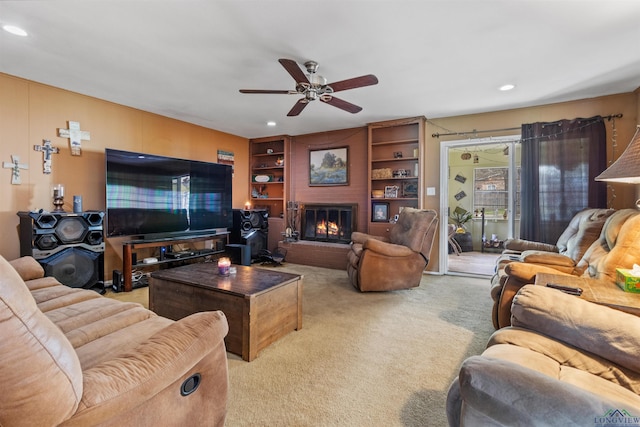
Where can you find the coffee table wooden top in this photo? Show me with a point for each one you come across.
(248, 281)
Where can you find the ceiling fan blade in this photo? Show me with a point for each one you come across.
(283, 92)
(343, 105)
(353, 83)
(298, 107)
(294, 70)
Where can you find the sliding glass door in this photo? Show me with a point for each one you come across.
(480, 196)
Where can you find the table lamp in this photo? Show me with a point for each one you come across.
(627, 168)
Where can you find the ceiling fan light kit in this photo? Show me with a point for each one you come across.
(313, 87)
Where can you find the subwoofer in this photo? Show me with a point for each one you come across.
(69, 246)
(250, 227)
(75, 267)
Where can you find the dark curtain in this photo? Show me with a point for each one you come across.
(559, 163)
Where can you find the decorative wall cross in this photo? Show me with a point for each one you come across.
(16, 166)
(47, 150)
(76, 136)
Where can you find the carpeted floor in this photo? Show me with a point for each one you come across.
(373, 359)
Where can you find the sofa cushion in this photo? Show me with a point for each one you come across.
(48, 387)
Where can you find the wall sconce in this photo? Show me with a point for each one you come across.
(627, 168)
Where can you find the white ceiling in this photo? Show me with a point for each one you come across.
(187, 59)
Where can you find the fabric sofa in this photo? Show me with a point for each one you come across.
(563, 362)
(616, 246)
(71, 357)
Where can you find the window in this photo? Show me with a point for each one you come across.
(491, 192)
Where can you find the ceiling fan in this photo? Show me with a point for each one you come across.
(313, 86)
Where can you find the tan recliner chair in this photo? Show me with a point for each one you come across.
(379, 264)
(617, 246)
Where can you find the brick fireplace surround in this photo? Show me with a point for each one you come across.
(318, 254)
(318, 246)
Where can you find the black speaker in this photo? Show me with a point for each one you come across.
(43, 234)
(69, 246)
(250, 227)
(75, 267)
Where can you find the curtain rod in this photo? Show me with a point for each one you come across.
(473, 132)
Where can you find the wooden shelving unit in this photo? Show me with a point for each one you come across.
(269, 181)
(395, 163)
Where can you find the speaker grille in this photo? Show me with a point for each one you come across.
(71, 229)
(74, 267)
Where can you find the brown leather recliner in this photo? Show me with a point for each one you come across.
(617, 246)
(379, 264)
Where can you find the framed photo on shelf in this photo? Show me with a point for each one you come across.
(379, 212)
(391, 192)
(329, 167)
(409, 189)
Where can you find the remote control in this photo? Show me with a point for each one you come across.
(566, 289)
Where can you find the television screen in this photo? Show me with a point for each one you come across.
(150, 195)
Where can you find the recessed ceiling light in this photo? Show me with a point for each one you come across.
(271, 123)
(507, 87)
(17, 31)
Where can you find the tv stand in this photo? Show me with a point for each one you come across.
(220, 240)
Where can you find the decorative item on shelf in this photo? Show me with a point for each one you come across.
(415, 152)
(262, 178)
(397, 154)
(401, 173)
(377, 194)
(58, 198)
(224, 264)
(409, 189)
(269, 150)
(379, 212)
(391, 192)
(280, 161)
(383, 173)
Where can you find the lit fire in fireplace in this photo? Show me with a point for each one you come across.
(321, 228)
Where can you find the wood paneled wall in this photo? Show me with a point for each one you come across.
(355, 192)
(31, 112)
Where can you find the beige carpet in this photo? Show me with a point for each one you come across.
(375, 359)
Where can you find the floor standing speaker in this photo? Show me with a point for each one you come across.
(251, 228)
(69, 246)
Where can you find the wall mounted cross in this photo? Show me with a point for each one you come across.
(47, 150)
(16, 166)
(76, 136)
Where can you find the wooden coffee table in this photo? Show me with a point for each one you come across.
(261, 305)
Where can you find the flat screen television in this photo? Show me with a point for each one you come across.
(152, 196)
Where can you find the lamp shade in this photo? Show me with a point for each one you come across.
(627, 168)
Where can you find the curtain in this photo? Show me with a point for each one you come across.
(559, 163)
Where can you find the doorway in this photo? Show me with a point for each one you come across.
(480, 199)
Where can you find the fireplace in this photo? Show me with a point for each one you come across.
(328, 222)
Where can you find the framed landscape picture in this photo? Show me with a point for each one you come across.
(329, 167)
